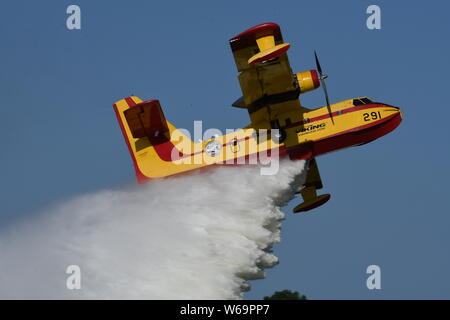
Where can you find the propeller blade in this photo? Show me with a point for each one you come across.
(318, 63)
(323, 85)
(322, 82)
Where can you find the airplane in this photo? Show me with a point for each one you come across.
(270, 93)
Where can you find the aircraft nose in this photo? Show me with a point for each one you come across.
(389, 110)
(388, 106)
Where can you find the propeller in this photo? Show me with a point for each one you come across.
(322, 78)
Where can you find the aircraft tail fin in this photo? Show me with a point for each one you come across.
(144, 127)
(146, 119)
(155, 145)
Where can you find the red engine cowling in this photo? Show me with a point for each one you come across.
(307, 80)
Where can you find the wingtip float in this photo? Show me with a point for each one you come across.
(270, 93)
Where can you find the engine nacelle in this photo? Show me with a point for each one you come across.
(307, 80)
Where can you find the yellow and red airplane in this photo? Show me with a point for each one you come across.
(271, 96)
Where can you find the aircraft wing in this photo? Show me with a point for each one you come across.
(313, 182)
(265, 77)
(313, 176)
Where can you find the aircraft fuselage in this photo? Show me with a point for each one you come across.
(350, 125)
(308, 135)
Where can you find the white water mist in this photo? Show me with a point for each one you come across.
(194, 237)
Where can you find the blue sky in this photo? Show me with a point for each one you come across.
(59, 136)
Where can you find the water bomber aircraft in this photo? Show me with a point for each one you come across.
(270, 94)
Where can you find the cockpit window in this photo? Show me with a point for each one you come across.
(366, 100)
(359, 102)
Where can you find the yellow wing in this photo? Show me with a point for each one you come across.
(268, 85)
(313, 182)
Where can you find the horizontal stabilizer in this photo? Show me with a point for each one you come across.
(146, 119)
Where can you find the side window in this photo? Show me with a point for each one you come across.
(357, 102)
(234, 146)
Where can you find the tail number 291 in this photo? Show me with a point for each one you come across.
(372, 116)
